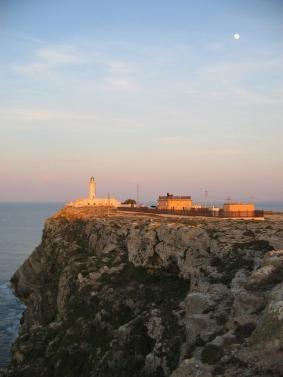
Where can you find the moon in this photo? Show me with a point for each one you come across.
(236, 36)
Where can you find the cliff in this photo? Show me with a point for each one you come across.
(150, 297)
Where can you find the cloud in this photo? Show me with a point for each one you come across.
(242, 82)
(60, 55)
(119, 67)
(275, 97)
(49, 58)
(43, 115)
(50, 178)
(232, 71)
(32, 69)
(218, 152)
(22, 37)
(119, 84)
(241, 95)
(92, 66)
(173, 139)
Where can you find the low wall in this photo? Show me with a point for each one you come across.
(203, 212)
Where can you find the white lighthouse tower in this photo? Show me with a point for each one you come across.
(92, 188)
(92, 200)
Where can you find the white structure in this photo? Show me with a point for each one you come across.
(92, 188)
(92, 200)
(196, 206)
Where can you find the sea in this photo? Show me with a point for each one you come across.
(21, 227)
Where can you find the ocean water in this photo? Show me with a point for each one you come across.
(21, 227)
(270, 206)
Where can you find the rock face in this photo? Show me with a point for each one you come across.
(137, 296)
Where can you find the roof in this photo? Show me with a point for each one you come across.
(167, 197)
(237, 204)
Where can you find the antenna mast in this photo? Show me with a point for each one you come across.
(138, 193)
(206, 197)
(108, 207)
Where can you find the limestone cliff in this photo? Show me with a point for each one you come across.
(138, 296)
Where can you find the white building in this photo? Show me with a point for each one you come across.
(92, 200)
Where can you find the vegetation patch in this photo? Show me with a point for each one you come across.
(211, 354)
(245, 331)
(260, 245)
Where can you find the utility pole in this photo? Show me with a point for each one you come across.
(108, 207)
(138, 193)
(206, 197)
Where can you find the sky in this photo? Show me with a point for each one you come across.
(154, 92)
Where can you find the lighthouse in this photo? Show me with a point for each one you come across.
(92, 188)
(92, 200)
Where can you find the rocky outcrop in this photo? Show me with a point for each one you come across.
(123, 295)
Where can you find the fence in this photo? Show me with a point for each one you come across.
(203, 212)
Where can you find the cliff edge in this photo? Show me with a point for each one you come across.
(132, 295)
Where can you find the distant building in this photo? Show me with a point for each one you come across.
(92, 200)
(174, 203)
(214, 209)
(238, 207)
(196, 206)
